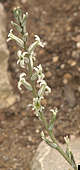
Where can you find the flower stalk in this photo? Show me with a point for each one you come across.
(26, 58)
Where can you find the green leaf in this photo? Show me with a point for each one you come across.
(18, 28)
(51, 144)
(51, 124)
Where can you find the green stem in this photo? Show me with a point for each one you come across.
(32, 82)
(59, 149)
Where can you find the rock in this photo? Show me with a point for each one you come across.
(5, 87)
(47, 158)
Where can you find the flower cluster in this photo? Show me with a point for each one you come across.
(37, 107)
(27, 58)
(44, 89)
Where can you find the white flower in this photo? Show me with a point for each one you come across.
(22, 59)
(38, 70)
(37, 38)
(37, 107)
(23, 82)
(44, 88)
(11, 36)
(35, 44)
(54, 111)
(22, 79)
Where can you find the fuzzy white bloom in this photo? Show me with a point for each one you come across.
(22, 79)
(42, 135)
(54, 111)
(23, 82)
(46, 89)
(22, 59)
(38, 70)
(11, 36)
(37, 38)
(35, 44)
(37, 107)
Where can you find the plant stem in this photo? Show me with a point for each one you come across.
(58, 148)
(34, 91)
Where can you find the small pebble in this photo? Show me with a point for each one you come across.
(66, 78)
(75, 14)
(30, 138)
(65, 81)
(72, 62)
(41, 52)
(78, 45)
(62, 66)
(55, 59)
(37, 131)
(48, 74)
(68, 28)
